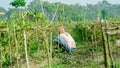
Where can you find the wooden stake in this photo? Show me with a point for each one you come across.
(83, 36)
(25, 45)
(54, 15)
(95, 40)
(50, 48)
(42, 8)
(105, 47)
(16, 44)
(10, 52)
(110, 53)
(0, 51)
(47, 48)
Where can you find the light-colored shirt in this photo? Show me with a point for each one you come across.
(69, 40)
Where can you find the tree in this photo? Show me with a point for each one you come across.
(18, 3)
(104, 14)
(76, 12)
(2, 13)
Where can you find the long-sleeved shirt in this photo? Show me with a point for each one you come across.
(69, 40)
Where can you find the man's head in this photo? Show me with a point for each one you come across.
(61, 29)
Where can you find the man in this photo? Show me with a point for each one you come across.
(66, 40)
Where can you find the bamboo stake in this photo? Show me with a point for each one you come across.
(106, 54)
(54, 15)
(95, 40)
(92, 45)
(16, 44)
(38, 43)
(0, 51)
(10, 52)
(110, 53)
(47, 48)
(3, 30)
(87, 41)
(92, 42)
(19, 39)
(105, 47)
(50, 48)
(63, 15)
(83, 36)
(25, 45)
(42, 8)
(109, 49)
(86, 37)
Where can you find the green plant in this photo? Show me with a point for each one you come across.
(117, 64)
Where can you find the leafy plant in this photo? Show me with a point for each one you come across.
(18, 3)
(117, 64)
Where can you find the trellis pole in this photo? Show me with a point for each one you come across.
(50, 48)
(86, 39)
(41, 3)
(95, 40)
(92, 43)
(25, 42)
(83, 36)
(1, 30)
(10, 52)
(47, 48)
(110, 52)
(109, 49)
(0, 51)
(54, 15)
(16, 45)
(105, 47)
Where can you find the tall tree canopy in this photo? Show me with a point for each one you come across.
(68, 13)
(18, 3)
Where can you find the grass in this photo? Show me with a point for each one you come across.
(83, 58)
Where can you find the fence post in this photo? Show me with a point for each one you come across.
(0, 52)
(105, 47)
(50, 48)
(47, 48)
(9, 44)
(25, 43)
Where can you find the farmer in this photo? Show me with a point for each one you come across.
(66, 40)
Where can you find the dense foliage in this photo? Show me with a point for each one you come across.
(18, 3)
(70, 13)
